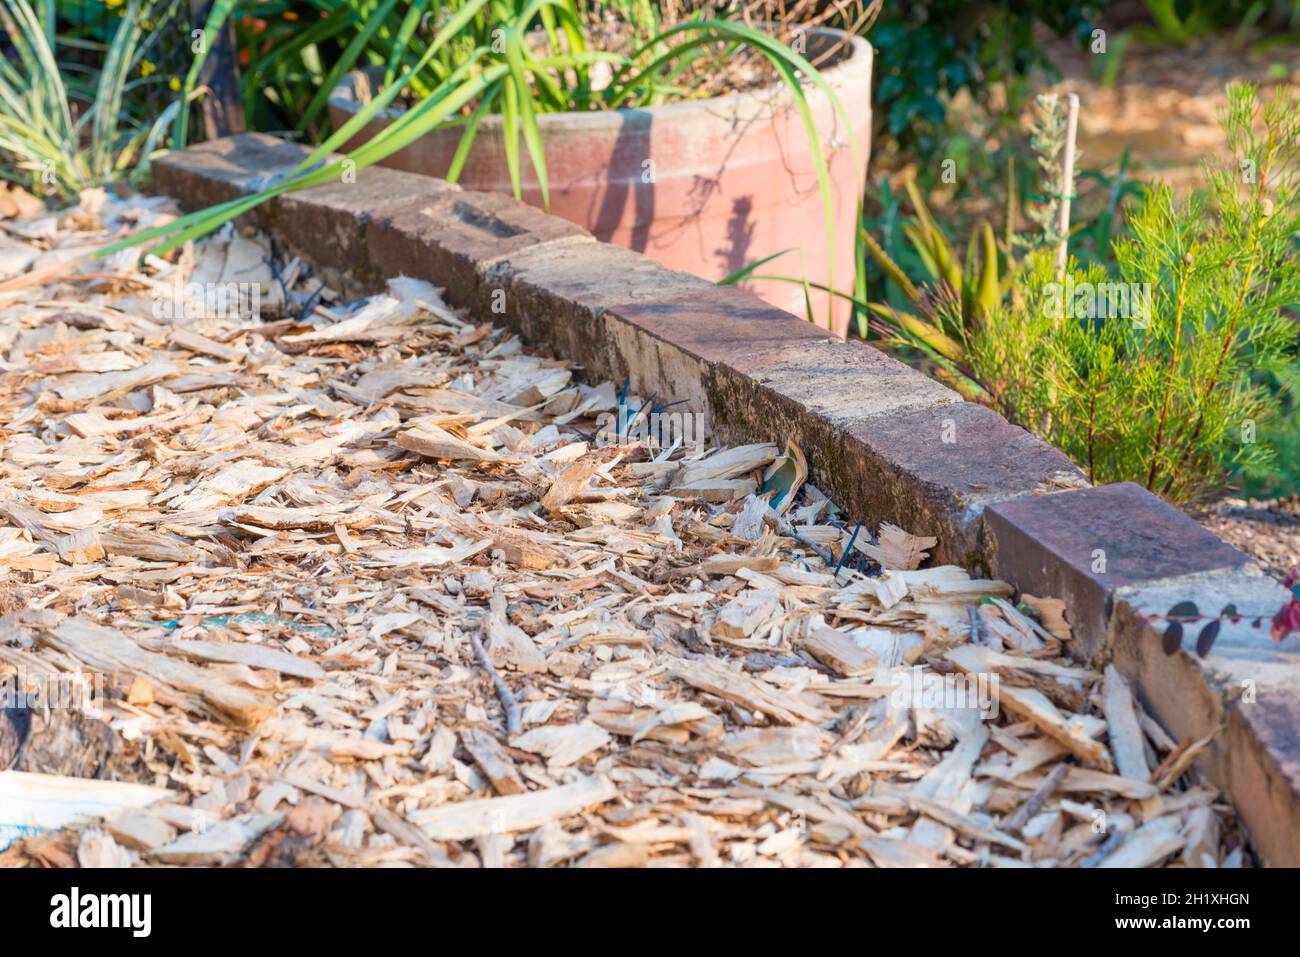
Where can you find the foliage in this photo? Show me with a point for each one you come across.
(1151, 367)
(1262, 24)
(1167, 395)
(1031, 172)
(1283, 622)
(1184, 21)
(1093, 239)
(1281, 433)
(957, 298)
(929, 52)
(295, 51)
(60, 133)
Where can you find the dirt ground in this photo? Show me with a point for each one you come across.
(1268, 531)
(1165, 101)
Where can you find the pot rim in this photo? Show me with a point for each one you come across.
(858, 64)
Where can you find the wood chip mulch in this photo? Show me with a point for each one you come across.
(367, 587)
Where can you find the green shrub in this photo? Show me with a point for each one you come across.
(927, 52)
(1169, 394)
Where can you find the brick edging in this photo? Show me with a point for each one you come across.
(887, 442)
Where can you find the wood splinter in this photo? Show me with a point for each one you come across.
(1027, 810)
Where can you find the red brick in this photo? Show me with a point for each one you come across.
(1082, 545)
(451, 238)
(327, 224)
(221, 170)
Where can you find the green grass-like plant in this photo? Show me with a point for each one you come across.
(60, 135)
(489, 59)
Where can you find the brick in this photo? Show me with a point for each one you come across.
(1247, 686)
(554, 296)
(844, 382)
(671, 345)
(449, 239)
(1261, 748)
(1082, 545)
(327, 224)
(224, 169)
(936, 470)
(762, 373)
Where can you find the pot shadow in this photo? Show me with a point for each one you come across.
(630, 181)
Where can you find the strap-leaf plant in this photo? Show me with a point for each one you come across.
(60, 134)
(521, 58)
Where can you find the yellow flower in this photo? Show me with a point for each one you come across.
(146, 68)
(174, 83)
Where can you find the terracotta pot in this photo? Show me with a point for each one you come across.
(704, 186)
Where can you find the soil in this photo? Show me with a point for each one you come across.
(1267, 531)
(1165, 101)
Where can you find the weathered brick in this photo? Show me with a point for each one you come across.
(671, 345)
(452, 237)
(1247, 687)
(935, 470)
(761, 373)
(554, 296)
(844, 382)
(1081, 545)
(224, 169)
(326, 224)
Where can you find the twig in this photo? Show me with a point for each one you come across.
(508, 700)
(1104, 850)
(1178, 760)
(845, 554)
(789, 531)
(406, 832)
(1030, 807)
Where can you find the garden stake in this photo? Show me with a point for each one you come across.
(1067, 181)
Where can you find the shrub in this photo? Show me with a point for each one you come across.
(1167, 392)
(928, 52)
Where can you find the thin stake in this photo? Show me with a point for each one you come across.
(1067, 180)
(848, 548)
